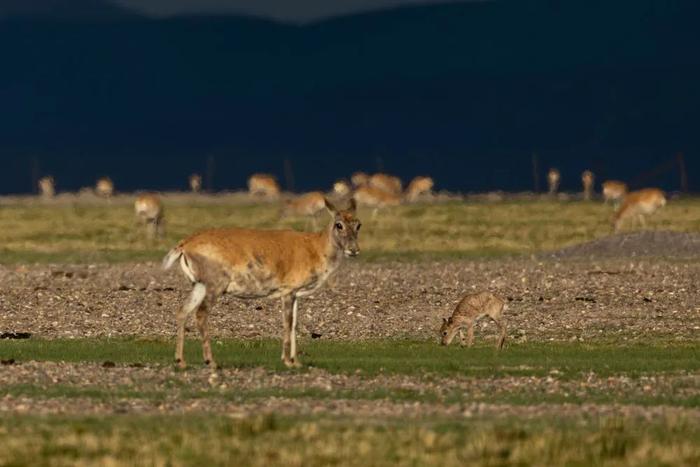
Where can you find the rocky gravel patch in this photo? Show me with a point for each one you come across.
(620, 299)
(165, 390)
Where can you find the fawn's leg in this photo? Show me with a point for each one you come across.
(195, 299)
(462, 342)
(470, 333)
(502, 335)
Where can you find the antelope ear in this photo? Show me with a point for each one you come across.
(330, 206)
(445, 320)
(353, 205)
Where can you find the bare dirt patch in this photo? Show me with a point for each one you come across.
(608, 298)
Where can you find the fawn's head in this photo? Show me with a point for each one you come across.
(448, 330)
(345, 228)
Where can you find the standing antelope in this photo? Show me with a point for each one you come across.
(260, 263)
(465, 314)
(614, 190)
(195, 183)
(104, 187)
(309, 204)
(375, 198)
(639, 203)
(341, 188)
(47, 188)
(387, 183)
(587, 180)
(263, 185)
(419, 186)
(553, 179)
(359, 179)
(149, 211)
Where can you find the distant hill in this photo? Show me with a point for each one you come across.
(60, 10)
(464, 91)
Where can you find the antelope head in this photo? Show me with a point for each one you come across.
(345, 228)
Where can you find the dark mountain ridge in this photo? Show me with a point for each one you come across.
(467, 92)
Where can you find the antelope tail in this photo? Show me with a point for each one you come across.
(172, 256)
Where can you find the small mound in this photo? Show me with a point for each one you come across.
(658, 243)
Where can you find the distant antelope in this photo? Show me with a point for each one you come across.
(468, 310)
(341, 188)
(149, 211)
(587, 180)
(419, 186)
(614, 190)
(309, 204)
(375, 198)
(260, 263)
(104, 187)
(263, 185)
(553, 179)
(359, 179)
(47, 188)
(639, 203)
(195, 183)
(387, 183)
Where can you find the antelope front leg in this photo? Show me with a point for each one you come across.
(462, 342)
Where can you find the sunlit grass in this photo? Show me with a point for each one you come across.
(105, 231)
(309, 441)
(390, 356)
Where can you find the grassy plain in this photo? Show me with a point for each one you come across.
(104, 231)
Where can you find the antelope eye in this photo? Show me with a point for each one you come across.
(339, 226)
(444, 333)
(358, 227)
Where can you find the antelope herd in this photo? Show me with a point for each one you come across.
(289, 264)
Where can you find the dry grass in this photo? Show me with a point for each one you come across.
(84, 230)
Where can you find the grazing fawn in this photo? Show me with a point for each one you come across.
(309, 204)
(614, 191)
(465, 314)
(263, 185)
(195, 183)
(359, 179)
(419, 186)
(260, 263)
(639, 203)
(386, 183)
(104, 187)
(587, 180)
(553, 179)
(149, 211)
(47, 187)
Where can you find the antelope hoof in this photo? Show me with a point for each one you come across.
(211, 364)
(292, 363)
(180, 363)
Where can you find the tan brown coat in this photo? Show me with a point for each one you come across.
(149, 212)
(614, 191)
(104, 187)
(261, 263)
(387, 183)
(419, 186)
(47, 187)
(639, 204)
(195, 181)
(465, 314)
(263, 185)
(553, 179)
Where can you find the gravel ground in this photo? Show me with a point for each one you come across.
(549, 300)
(648, 243)
(224, 385)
